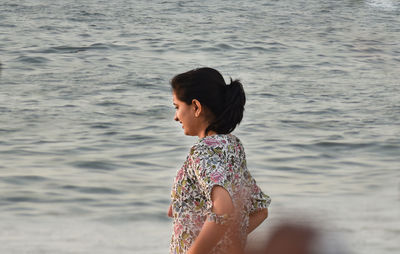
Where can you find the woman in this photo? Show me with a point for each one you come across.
(215, 200)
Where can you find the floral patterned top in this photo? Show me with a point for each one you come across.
(213, 160)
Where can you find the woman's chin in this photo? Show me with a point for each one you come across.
(188, 133)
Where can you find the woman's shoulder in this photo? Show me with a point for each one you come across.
(217, 140)
(214, 143)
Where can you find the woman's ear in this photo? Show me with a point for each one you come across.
(197, 107)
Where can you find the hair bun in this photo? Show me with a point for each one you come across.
(234, 102)
(235, 93)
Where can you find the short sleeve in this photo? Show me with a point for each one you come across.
(209, 169)
(259, 200)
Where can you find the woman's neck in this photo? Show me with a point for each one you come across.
(209, 133)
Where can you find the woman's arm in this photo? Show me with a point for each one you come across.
(256, 218)
(211, 232)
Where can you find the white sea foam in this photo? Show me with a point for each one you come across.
(383, 4)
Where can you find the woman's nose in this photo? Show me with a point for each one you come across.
(176, 117)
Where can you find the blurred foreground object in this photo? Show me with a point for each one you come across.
(292, 238)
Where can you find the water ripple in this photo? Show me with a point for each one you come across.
(96, 164)
(24, 179)
(92, 190)
(32, 59)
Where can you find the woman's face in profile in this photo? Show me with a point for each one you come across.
(185, 114)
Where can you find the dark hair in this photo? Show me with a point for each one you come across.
(226, 102)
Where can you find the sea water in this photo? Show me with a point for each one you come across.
(89, 148)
